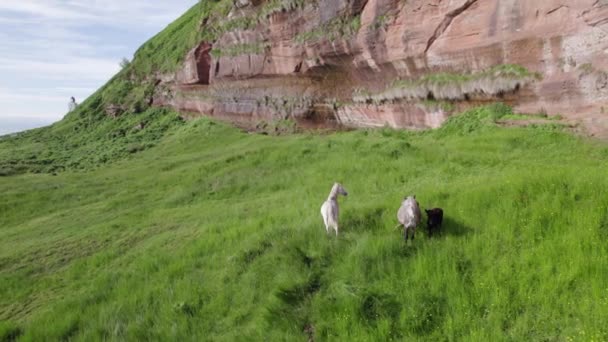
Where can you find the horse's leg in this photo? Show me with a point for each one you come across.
(413, 233)
(405, 233)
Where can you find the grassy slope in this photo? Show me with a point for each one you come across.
(87, 138)
(215, 234)
(210, 233)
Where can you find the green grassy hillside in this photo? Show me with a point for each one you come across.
(214, 234)
(87, 137)
(146, 227)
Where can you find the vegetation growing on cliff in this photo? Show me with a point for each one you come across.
(274, 6)
(242, 21)
(341, 27)
(166, 51)
(491, 82)
(215, 234)
(256, 48)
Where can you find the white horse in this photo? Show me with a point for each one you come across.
(330, 209)
(409, 215)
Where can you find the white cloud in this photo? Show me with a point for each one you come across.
(71, 67)
(119, 13)
(26, 96)
(53, 49)
(45, 9)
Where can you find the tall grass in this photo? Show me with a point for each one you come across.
(215, 234)
(84, 140)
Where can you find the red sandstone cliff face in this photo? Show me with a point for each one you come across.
(336, 62)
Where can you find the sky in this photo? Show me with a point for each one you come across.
(53, 49)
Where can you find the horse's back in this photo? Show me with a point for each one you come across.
(409, 214)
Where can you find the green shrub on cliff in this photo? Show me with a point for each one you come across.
(166, 51)
(340, 27)
(450, 86)
(274, 6)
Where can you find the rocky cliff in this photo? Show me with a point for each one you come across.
(406, 64)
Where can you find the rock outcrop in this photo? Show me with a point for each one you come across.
(406, 64)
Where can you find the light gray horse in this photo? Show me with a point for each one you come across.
(330, 209)
(409, 215)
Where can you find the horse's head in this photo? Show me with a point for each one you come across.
(338, 189)
(410, 199)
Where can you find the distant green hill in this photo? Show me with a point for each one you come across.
(87, 137)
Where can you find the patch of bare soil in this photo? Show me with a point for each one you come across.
(595, 126)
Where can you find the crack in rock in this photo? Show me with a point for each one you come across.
(446, 22)
(557, 9)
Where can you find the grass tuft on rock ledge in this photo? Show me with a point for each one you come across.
(492, 82)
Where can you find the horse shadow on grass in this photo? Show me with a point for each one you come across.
(449, 227)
